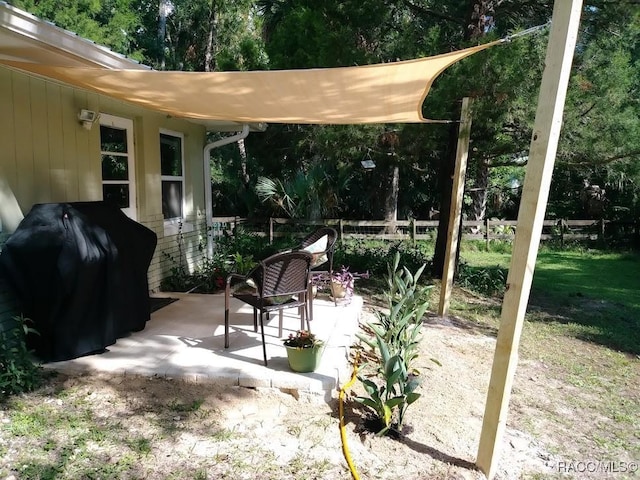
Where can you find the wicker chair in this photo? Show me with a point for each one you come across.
(322, 252)
(278, 282)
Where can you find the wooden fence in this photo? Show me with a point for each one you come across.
(487, 230)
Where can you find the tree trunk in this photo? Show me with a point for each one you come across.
(390, 140)
(480, 193)
(481, 17)
(244, 173)
(163, 10)
(445, 187)
(391, 199)
(212, 38)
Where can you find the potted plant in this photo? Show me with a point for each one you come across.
(304, 351)
(342, 283)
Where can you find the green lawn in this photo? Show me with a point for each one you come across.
(581, 344)
(596, 295)
(611, 277)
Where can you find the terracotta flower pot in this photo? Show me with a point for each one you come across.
(338, 290)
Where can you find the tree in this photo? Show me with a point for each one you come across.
(600, 142)
(109, 22)
(201, 35)
(325, 34)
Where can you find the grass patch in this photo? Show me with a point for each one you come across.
(593, 294)
(192, 407)
(582, 331)
(603, 276)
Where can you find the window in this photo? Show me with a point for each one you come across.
(172, 175)
(116, 148)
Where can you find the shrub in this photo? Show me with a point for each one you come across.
(211, 275)
(249, 244)
(179, 278)
(233, 254)
(413, 257)
(501, 246)
(362, 255)
(488, 281)
(18, 372)
(373, 255)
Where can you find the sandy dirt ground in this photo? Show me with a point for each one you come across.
(253, 433)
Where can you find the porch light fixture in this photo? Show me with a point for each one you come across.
(87, 118)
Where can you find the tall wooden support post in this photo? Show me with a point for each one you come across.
(455, 212)
(542, 152)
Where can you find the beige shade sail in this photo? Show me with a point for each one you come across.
(381, 93)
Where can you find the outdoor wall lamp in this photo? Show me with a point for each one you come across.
(87, 118)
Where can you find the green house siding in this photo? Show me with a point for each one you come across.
(49, 157)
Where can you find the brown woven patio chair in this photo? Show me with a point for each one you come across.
(321, 244)
(278, 282)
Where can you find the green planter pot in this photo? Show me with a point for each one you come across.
(304, 359)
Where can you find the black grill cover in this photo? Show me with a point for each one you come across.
(79, 271)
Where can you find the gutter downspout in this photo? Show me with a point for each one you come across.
(207, 179)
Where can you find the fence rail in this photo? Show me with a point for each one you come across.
(487, 230)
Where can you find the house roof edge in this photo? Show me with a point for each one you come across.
(46, 35)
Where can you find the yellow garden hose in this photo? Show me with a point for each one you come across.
(343, 433)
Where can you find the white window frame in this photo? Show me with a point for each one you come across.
(127, 125)
(172, 225)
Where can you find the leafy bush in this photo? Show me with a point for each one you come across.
(488, 281)
(249, 244)
(394, 343)
(501, 246)
(362, 255)
(211, 275)
(233, 254)
(18, 372)
(373, 255)
(179, 278)
(238, 252)
(413, 257)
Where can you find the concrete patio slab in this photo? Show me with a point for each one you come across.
(185, 339)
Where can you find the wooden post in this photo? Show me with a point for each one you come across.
(486, 231)
(542, 152)
(455, 212)
(601, 231)
(413, 231)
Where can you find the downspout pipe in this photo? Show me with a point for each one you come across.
(207, 179)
